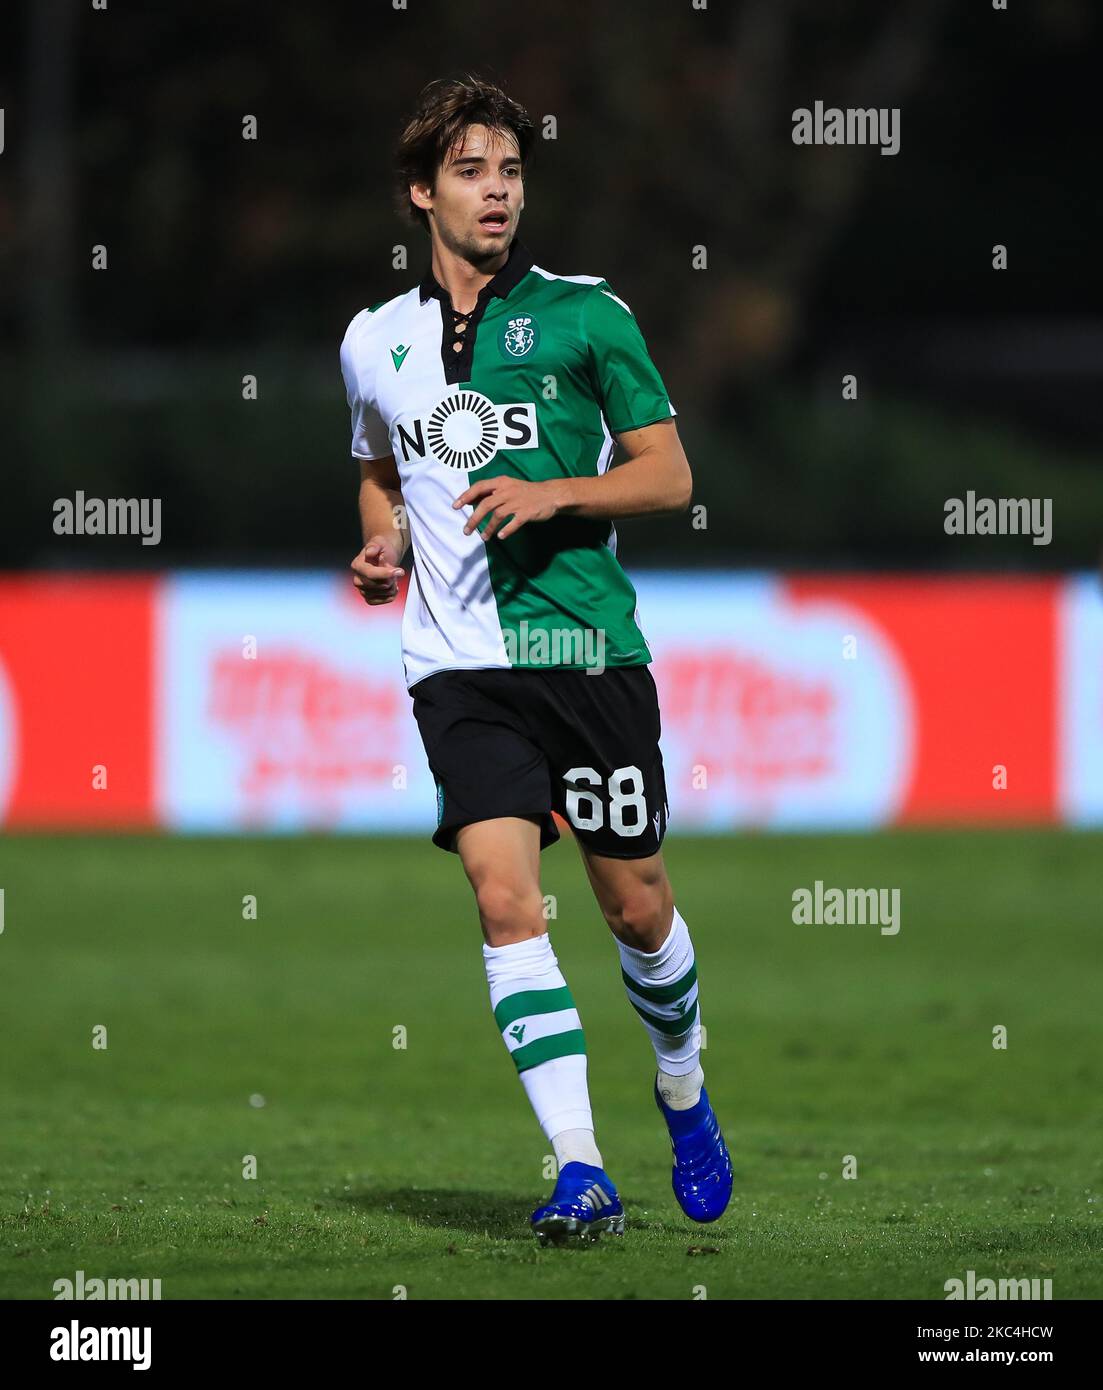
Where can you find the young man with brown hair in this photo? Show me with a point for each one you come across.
(486, 404)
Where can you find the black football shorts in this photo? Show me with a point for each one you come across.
(525, 742)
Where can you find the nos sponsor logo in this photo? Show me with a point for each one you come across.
(465, 430)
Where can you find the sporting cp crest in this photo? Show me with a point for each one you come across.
(519, 337)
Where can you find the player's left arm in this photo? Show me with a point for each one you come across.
(654, 477)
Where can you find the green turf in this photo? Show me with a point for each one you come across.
(418, 1168)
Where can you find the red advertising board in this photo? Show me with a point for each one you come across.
(980, 657)
(76, 701)
(810, 702)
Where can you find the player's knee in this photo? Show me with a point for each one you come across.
(641, 918)
(509, 911)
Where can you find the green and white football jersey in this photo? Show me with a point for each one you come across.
(546, 371)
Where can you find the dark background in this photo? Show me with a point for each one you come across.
(229, 257)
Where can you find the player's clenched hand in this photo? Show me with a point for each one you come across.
(376, 571)
(512, 498)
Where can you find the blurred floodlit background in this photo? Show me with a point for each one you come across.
(762, 273)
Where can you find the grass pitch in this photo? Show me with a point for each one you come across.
(381, 1169)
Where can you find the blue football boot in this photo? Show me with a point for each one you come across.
(702, 1173)
(583, 1206)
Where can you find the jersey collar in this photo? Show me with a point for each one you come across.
(518, 263)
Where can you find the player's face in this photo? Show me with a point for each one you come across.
(479, 195)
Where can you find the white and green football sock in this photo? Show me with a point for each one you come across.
(539, 1023)
(662, 988)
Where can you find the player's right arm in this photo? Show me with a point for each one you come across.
(376, 569)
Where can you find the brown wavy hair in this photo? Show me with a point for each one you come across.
(445, 108)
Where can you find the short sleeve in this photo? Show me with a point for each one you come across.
(370, 437)
(626, 381)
